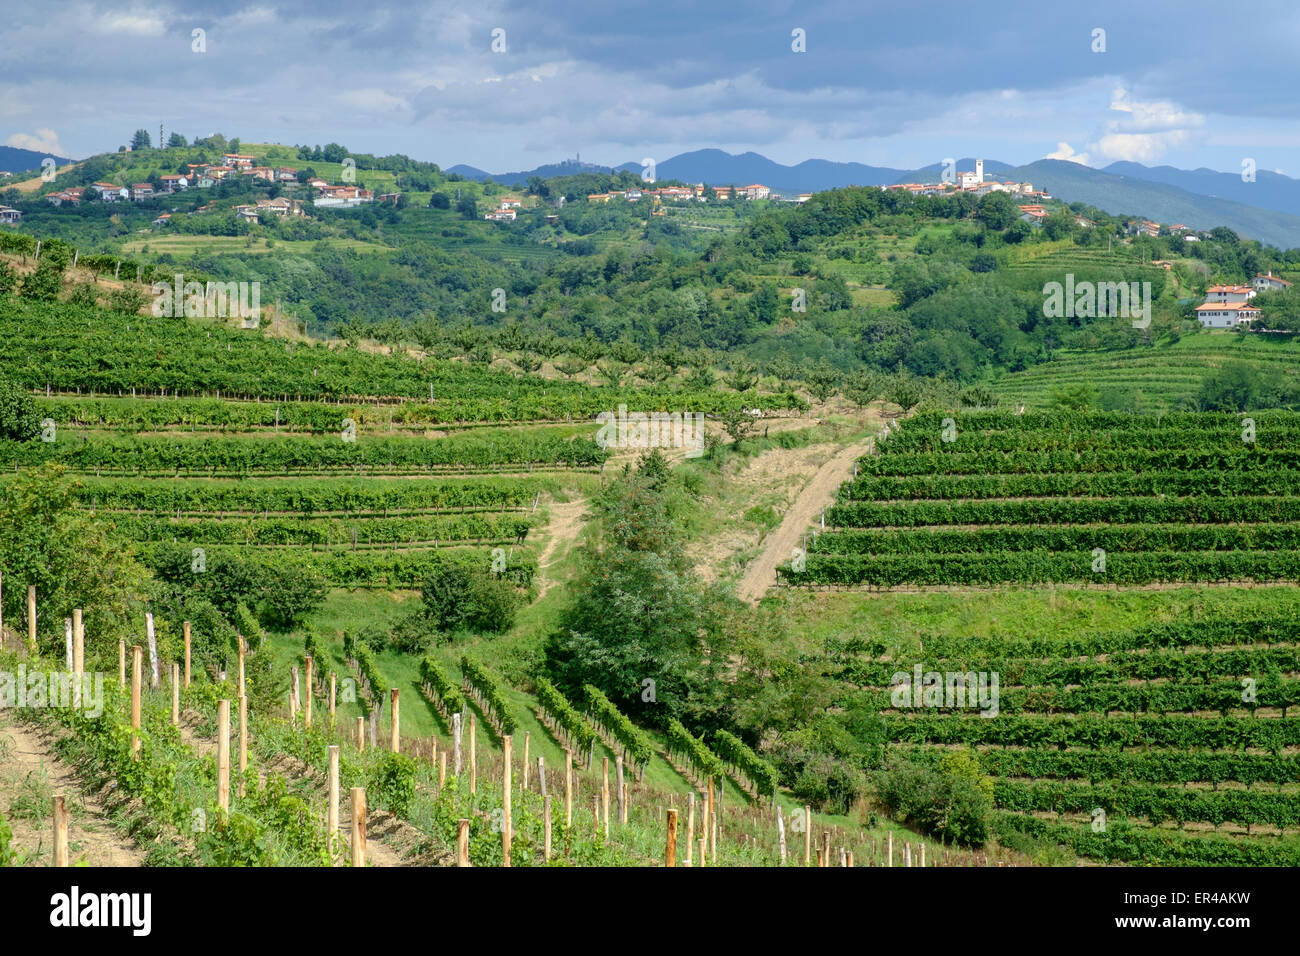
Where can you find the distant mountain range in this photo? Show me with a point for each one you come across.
(14, 160)
(1267, 209)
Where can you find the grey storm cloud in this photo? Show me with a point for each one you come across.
(584, 71)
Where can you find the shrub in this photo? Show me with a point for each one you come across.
(392, 784)
(19, 419)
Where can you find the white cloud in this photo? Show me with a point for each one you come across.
(1066, 152)
(374, 100)
(44, 141)
(1138, 147)
(140, 23)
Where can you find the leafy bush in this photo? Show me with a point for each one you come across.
(392, 784)
(951, 803)
(19, 419)
(459, 597)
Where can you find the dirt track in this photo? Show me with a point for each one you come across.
(817, 494)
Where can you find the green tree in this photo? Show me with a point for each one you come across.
(997, 210)
(19, 418)
(141, 140)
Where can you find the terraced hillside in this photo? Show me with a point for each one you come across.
(1147, 378)
(995, 498)
(1174, 743)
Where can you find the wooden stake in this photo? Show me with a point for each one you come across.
(473, 755)
(176, 694)
(31, 619)
(462, 843)
(595, 814)
(455, 733)
(306, 713)
(394, 721)
(923, 854)
(507, 745)
(604, 794)
(223, 755)
(546, 826)
(524, 784)
(568, 788)
(622, 791)
(780, 835)
(690, 829)
(137, 665)
(333, 692)
(361, 734)
(153, 649)
(332, 808)
(704, 850)
(442, 770)
(78, 642)
(849, 863)
(186, 626)
(670, 854)
(826, 848)
(711, 830)
(60, 830)
(807, 834)
(121, 664)
(243, 743)
(295, 688)
(358, 826)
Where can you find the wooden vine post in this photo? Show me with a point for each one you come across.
(361, 734)
(711, 830)
(60, 830)
(78, 653)
(223, 755)
(121, 663)
(670, 853)
(807, 835)
(31, 619)
(604, 794)
(780, 835)
(568, 788)
(690, 828)
(306, 712)
(524, 783)
(243, 742)
(455, 733)
(507, 745)
(358, 826)
(333, 694)
(137, 665)
(462, 842)
(395, 723)
(186, 626)
(622, 790)
(473, 755)
(332, 808)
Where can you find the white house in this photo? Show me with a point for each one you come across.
(1226, 315)
(1228, 293)
(1269, 283)
(8, 214)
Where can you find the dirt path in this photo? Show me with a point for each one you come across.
(31, 776)
(817, 494)
(564, 528)
(378, 823)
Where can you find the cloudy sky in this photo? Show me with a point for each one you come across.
(1188, 84)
